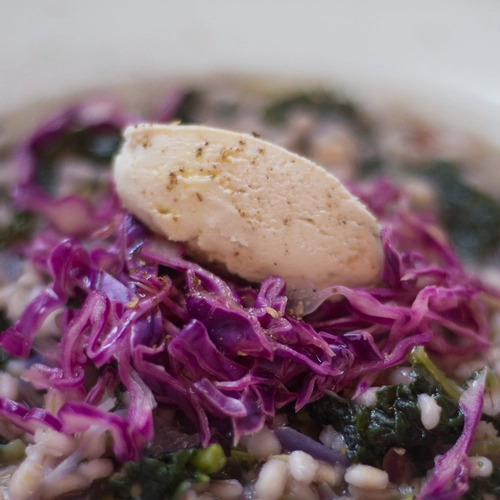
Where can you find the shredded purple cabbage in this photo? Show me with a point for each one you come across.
(293, 440)
(451, 472)
(172, 333)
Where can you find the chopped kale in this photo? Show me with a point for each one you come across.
(323, 104)
(480, 486)
(429, 379)
(395, 422)
(46, 173)
(238, 463)
(98, 144)
(166, 476)
(301, 421)
(186, 112)
(369, 166)
(4, 324)
(19, 228)
(120, 394)
(471, 217)
(4, 357)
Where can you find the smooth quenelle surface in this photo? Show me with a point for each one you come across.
(247, 204)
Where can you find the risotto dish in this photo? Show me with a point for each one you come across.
(239, 295)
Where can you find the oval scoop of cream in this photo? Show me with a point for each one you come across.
(249, 205)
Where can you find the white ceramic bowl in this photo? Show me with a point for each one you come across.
(438, 57)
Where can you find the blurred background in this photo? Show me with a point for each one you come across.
(430, 54)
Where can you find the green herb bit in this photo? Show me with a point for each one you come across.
(209, 460)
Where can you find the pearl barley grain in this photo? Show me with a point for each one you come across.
(430, 411)
(226, 490)
(368, 397)
(302, 466)
(480, 467)
(9, 386)
(271, 482)
(263, 444)
(328, 474)
(366, 476)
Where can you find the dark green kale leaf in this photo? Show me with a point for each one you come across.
(4, 357)
(4, 324)
(186, 112)
(120, 394)
(98, 144)
(19, 228)
(238, 463)
(301, 421)
(166, 476)
(395, 422)
(323, 104)
(151, 478)
(470, 216)
(480, 486)
(369, 166)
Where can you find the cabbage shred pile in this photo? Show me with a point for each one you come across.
(138, 318)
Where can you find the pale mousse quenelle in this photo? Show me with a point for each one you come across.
(249, 205)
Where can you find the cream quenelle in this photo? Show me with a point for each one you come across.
(252, 206)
